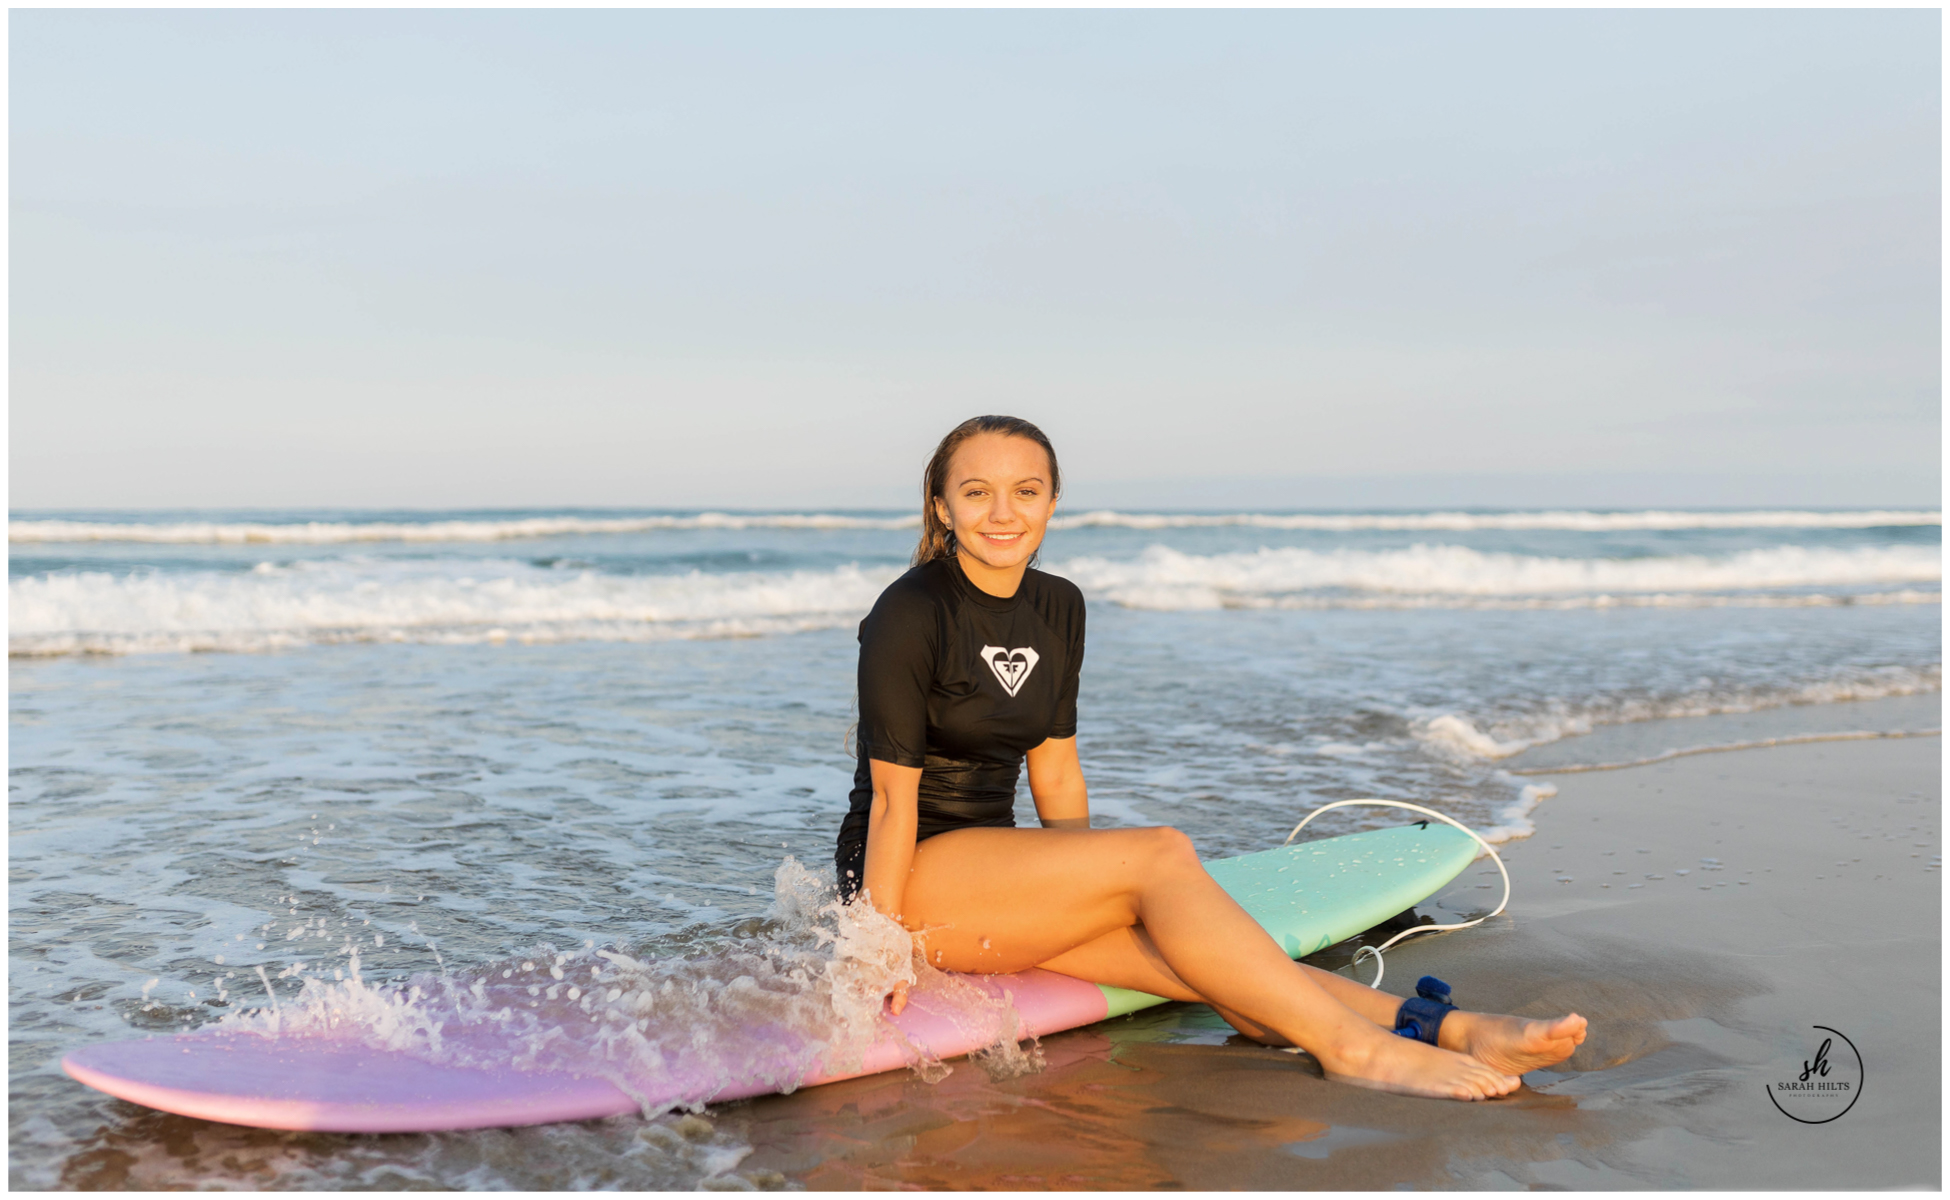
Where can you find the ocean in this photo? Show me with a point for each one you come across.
(345, 763)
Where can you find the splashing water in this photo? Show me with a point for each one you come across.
(795, 997)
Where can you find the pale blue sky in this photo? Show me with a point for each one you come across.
(766, 258)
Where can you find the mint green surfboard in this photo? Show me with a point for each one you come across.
(1311, 895)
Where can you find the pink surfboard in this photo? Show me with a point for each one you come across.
(1308, 896)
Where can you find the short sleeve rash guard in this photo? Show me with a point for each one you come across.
(962, 684)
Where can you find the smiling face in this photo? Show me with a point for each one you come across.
(998, 502)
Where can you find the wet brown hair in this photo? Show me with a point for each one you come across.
(937, 539)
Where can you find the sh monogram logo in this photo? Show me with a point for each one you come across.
(1011, 667)
(1825, 1087)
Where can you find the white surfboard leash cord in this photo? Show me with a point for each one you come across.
(1377, 951)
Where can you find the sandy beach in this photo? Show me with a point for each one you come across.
(1702, 983)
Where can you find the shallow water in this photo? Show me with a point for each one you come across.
(1639, 741)
(447, 801)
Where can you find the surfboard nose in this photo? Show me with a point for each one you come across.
(323, 1085)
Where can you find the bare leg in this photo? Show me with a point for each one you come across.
(1007, 899)
(1128, 958)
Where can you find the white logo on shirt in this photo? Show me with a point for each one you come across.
(1011, 667)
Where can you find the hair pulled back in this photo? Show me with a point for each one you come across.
(937, 537)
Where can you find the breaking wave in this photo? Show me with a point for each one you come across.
(327, 533)
(333, 601)
(1441, 576)
(514, 528)
(274, 607)
(1567, 520)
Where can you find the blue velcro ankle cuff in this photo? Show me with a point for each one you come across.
(1420, 1018)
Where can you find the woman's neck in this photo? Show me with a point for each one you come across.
(1001, 583)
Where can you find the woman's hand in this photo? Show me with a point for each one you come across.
(897, 999)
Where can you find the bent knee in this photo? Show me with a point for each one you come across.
(1169, 848)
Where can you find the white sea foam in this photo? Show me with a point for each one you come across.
(443, 530)
(1602, 600)
(1467, 741)
(1168, 579)
(1569, 520)
(1453, 731)
(323, 602)
(1513, 819)
(477, 601)
(1458, 737)
(325, 533)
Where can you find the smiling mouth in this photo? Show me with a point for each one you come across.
(1002, 537)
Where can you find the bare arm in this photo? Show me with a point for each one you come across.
(892, 821)
(891, 825)
(1056, 784)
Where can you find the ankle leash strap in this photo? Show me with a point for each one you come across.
(1420, 1016)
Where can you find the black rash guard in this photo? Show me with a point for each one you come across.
(960, 684)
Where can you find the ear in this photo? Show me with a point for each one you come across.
(941, 512)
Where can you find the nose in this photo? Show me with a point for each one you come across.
(1002, 508)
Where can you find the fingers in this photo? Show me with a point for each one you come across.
(898, 999)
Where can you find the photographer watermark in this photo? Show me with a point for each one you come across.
(1826, 1086)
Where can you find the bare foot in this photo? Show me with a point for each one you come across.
(1512, 1044)
(1396, 1064)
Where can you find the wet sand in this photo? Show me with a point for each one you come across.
(1702, 985)
(1701, 989)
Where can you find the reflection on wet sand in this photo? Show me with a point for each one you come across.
(1120, 1110)
(144, 1150)
(1099, 1116)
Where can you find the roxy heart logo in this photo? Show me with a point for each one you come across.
(1011, 667)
